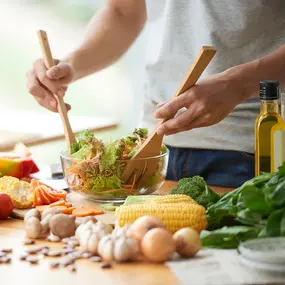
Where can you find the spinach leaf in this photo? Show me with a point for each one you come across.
(228, 237)
(275, 196)
(247, 217)
(252, 198)
(274, 223)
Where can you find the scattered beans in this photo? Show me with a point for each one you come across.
(35, 249)
(106, 265)
(53, 238)
(5, 260)
(75, 255)
(95, 258)
(45, 252)
(68, 250)
(2, 254)
(71, 268)
(54, 264)
(7, 250)
(28, 241)
(32, 260)
(67, 261)
(23, 257)
(54, 253)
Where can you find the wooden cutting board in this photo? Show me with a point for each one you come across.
(77, 200)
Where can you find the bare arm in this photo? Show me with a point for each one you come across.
(248, 75)
(109, 35)
(213, 98)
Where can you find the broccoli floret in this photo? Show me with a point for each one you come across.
(197, 188)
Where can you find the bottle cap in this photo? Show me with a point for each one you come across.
(269, 90)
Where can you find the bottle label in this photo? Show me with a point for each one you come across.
(278, 153)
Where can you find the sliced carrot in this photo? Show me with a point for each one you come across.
(42, 207)
(37, 199)
(68, 210)
(68, 205)
(58, 203)
(62, 208)
(44, 197)
(82, 212)
(51, 197)
(85, 211)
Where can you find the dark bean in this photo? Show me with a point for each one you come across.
(71, 268)
(67, 261)
(28, 241)
(5, 260)
(106, 265)
(2, 254)
(54, 264)
(32, 260)
(68, 250)
(23, 257)
(45, 251)
(75, 255)
(35, 249)
(54, 253)
(95, 258)
(7, 250)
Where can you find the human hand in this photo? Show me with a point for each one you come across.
(206, 103)
(42, 83)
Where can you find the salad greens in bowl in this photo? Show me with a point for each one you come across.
(94, 168)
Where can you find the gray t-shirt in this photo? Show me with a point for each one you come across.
(240, 30)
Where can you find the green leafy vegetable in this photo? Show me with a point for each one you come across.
(83, 152)
(108, 157)
(228, 237)
(197, 188)
(105, 182)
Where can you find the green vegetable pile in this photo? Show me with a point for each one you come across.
(97, 166)
(256, 209)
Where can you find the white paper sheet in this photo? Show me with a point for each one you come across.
(220, 267)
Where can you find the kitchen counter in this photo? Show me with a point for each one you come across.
(19, 272)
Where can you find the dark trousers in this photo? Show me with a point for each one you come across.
(217, 167)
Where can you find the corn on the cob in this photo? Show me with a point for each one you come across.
(176, 198)
(174, 216)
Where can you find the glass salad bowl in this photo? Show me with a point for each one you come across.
(94, 168)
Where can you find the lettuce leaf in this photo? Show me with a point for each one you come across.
(109, 157)
(82, 153)
(105, 182)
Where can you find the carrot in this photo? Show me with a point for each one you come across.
(62, 208)
(68, 211)
(58, 203)
(42, 207)
(85, 211)
(68, 205)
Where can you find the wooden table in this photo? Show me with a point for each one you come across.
(36, 128)
(12, 234)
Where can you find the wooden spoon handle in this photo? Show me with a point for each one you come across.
(49, 62)
(202, 60)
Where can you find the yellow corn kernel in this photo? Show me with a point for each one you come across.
(175, 198)
(174, 216)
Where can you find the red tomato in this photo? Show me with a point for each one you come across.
(6, 206)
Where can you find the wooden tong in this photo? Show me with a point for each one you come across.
(49, 62)
(152, 145)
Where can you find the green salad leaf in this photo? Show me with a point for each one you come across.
(228, 237)
(105, 182)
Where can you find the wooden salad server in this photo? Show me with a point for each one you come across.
(49, 62)
(139, 171)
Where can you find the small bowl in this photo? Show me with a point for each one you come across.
(83, 177)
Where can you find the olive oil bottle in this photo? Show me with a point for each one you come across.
(268, 119)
